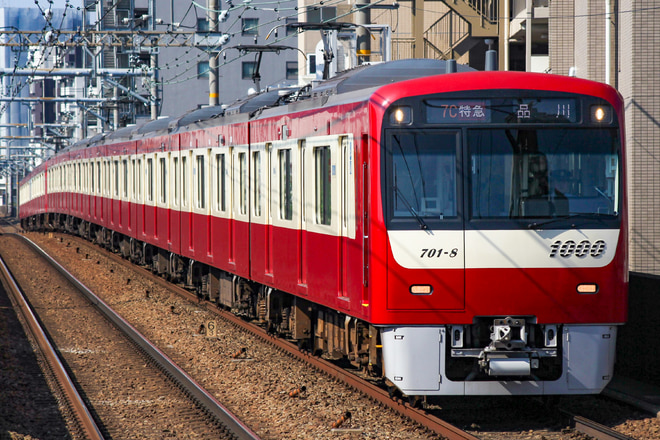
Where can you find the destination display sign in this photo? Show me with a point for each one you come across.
(501, 111)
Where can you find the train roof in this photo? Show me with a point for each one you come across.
(361, 78)
(376, 75)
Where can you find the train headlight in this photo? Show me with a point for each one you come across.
(601, 114)
(421, 289)
(401, 115)
(587, 288)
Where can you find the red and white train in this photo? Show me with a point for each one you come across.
(461, 233)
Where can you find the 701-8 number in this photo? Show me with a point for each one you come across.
(437, 253)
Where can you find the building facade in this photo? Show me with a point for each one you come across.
(29, 128)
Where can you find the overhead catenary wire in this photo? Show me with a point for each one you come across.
(184, 59)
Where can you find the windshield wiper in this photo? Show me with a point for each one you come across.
(582, 215)
(422, 223)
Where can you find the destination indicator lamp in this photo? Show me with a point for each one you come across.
(502, 111)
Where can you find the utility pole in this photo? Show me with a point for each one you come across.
(214, 88)
(363, 17)
(528, 35)
(418, 28)
(153, 62)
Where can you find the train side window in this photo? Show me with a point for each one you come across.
(162, 174)
(322, 187)
(138, 180)
(201, 182)
(99, 183)
(108, 189)
(220, 199)
(286, 184)
(115, 169)
(92, 187)
(150, 180)
(242, 173)
(133, 171)
(184, 180)
(124, 169)
(175, 183)
(256, 183)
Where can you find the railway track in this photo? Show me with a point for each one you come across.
(187, 404)
(80, 417)
(378, 395)
(595, 430)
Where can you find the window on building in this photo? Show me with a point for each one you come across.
(311, 64)
(203, 69)
(290, 30)
(292, 70)
(248, 69)
(249, 26)
(322, 179)
(203, 25)
(321, 15)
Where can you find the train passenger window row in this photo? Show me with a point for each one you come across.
(284, 182)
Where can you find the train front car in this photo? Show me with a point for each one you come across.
(503, 219)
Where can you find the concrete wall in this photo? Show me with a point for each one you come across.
(640, 87)
(183, 90)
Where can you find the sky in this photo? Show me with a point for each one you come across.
(45, 4)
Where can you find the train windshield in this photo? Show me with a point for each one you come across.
(543, 173)
(508, 174)
(423, 170)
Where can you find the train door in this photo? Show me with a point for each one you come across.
(200, 233)
(185, 159)
(174, 177)
(138, 177)
(302, 239)
(220, 204)
(132, 202)
(239, 253)
(125, 207)
(321, 257)
(260, 224)
(284, 236)
(347, 205)
(162, 209)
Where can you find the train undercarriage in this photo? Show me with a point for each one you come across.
(315, 328)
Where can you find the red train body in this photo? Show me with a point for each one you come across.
(417, 227)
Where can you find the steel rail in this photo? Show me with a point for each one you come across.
(594, 429)
(196, 392)
(83, 417)
(448, 431)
